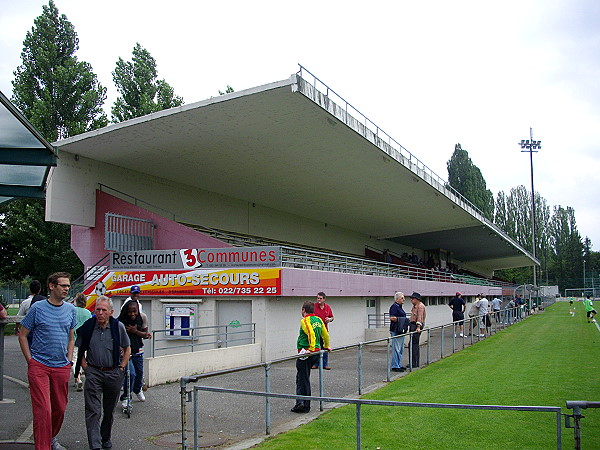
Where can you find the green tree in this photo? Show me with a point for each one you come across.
(518, 216)
(58, 94)
(513, 216)
(592, 265)
(141, 92)
(566, 264)
(500, 215)
(32, 247)
(466, 178)
(542, 252)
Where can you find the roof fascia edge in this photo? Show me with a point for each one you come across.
(178, 109)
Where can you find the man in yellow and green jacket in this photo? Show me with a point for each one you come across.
(312, 329)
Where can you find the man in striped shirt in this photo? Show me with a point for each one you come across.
(312, 330)
(49, 359)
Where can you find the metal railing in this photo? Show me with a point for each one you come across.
(201, 338)
(88, 277)
(360, 402)
(123, 233)
(447, 346)
(577, 406)
(315, 260)
(322, 260)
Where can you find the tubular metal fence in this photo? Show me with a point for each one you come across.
(360, 402)
(441, 341)
(202, 338)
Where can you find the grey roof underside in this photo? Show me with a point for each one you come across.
(274, 146)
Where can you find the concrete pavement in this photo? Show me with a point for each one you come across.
(226, 420)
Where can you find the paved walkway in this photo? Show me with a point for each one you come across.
(225, 420)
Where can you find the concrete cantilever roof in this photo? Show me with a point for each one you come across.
(288, 147)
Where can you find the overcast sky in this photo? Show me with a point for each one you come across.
(431, 74)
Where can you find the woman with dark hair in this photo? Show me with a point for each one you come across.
(136, 330)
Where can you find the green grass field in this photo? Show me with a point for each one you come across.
(545, 360)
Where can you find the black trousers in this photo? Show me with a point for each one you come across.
(303, 378)
(101, 394)
(414, 345)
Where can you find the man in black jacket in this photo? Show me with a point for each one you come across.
(458, 305)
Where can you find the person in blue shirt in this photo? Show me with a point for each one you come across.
(49, 359)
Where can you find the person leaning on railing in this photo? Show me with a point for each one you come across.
(417, 323)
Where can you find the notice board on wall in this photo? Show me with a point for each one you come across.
(179, 318)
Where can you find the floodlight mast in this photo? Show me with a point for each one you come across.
(531, 146)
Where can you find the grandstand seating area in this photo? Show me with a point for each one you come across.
(373, 262)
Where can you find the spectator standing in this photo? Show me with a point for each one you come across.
(508, 311)
(101, 340)
(496, 307)
(49, 359)
(136, 332)
(134, 295)
(417, 323)
(520, 304)
(483, 314)
(457, 305)
(473, 314)
(324, 312)
(3, 312)
(82, 314)
(398, 327)
(35, 288)
(309, 337)
(590, 312)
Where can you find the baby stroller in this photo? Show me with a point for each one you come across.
(126, 404)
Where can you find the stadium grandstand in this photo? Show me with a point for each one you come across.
(291, 167)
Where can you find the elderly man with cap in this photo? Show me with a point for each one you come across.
(417, 322)
(457, 305)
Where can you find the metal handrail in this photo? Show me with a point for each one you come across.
(82, 282)
(359, 402)
(318, 260)
(196, 333)
(321, 260)
(497, 325)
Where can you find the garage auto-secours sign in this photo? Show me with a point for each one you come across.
(192, 272)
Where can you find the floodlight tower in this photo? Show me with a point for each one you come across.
(530, 146)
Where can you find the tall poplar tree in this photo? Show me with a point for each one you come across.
(58, 94)
(141, 92)
(466, 178)
(500, 214)
(567, 250)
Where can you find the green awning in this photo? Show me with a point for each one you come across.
(25, 156)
